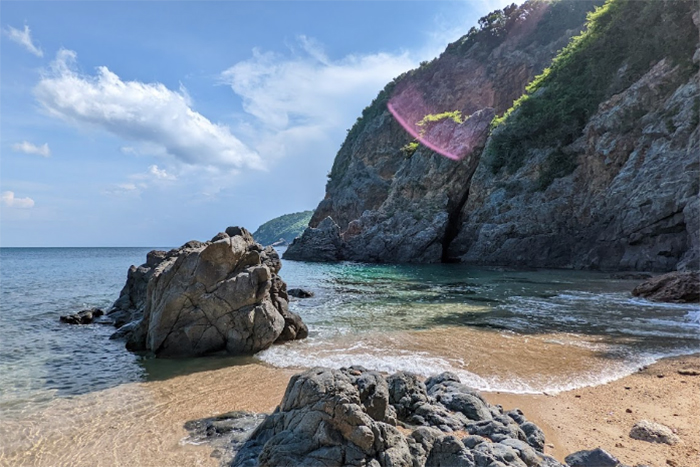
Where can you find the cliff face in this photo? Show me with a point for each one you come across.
(392, 205)
(595, 167)
(617, 189)
(631, 202)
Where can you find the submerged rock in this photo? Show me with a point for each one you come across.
(356, 417)
(300, 293)
(82, 317)
(204, 297)
(675, 287)
(226, 433)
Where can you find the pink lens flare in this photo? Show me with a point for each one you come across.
(412, 131)
(446, 136)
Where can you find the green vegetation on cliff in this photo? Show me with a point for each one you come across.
(287, 227)
(623, 40)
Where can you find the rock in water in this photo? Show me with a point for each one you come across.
(82, 317)
(675, 287)
(300, 293)
(132, 299)
(321, 244)
(349, 417)
(204, 297)
(226, 433)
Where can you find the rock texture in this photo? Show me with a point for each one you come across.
(204, 297)
(356, 417)
(82, 317)
(394, 205)
(226, 433)
(592, 458)
(631, 203)
(675, 287)
(652, 432)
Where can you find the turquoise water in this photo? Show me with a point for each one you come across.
(361, 314)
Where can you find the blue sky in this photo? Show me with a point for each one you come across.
(154, 123)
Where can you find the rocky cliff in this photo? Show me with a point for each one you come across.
(595, 167)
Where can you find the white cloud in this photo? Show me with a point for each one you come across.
(30, 148)
(154, 173)
(309, 90)
(160, 174)
(23, 38)
(148, 113)
(9, 200)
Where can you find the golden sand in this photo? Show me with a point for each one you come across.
(141, 424)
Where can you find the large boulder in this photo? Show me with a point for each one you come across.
(675, 287)
(205, 297)
(356, 417)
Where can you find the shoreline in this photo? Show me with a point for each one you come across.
(143, 423)
(602, 415)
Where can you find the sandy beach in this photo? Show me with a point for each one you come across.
(602, 416)
(142, 423)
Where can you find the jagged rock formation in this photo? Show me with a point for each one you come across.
(82, 317)
(356, 417)
(392, 205)
(675, 287)
(204, 297)
(631, 203)
(606, 177)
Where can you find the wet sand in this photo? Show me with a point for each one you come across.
(141, 424)
(602, 416)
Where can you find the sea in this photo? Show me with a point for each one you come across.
(499, 329)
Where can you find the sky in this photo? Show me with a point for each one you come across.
(154, 123)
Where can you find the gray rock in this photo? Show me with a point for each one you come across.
(675, 287)
(617, 210)
(82, 317)
(490, 454)
(644, 430)
(131, 303)
(472, 440)
(420, 443)
(344, 418)
(206, 297)
(321, 421)
(448, 451)
(321, 244)
(458, 398)
(631, 203)
(125, 331)
(594, 458)
(300, 293)
(393, 205)
(226, 433)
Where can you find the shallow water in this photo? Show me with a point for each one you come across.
(499, 329)
(516, 331)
